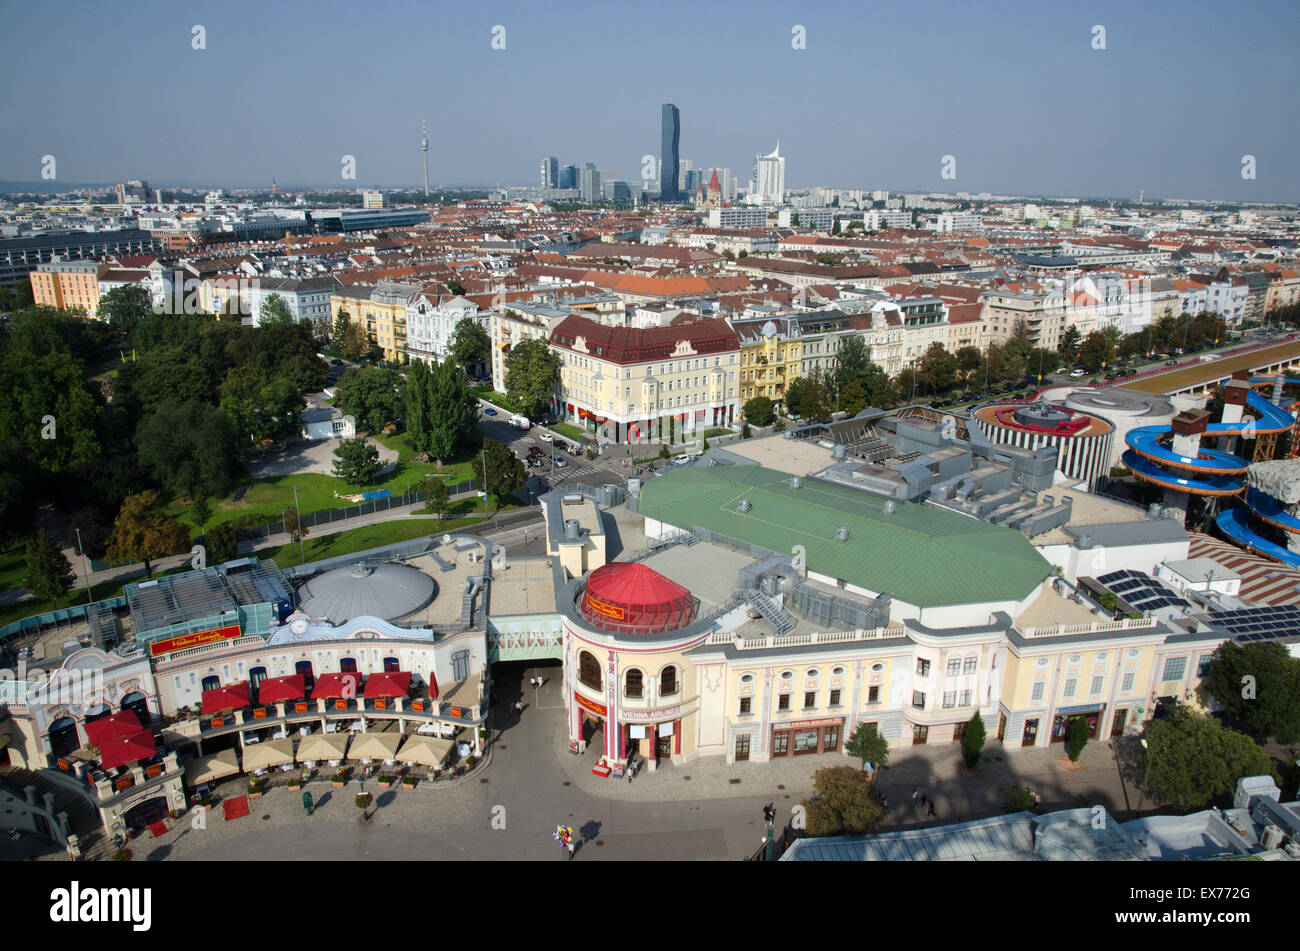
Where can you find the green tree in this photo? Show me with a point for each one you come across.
(939, 368)
(222, 544)
(758, 410)
(866, 744)
(1070, 343)
(143, 532)
(275, 310)
(374, 397)
(532, 375)
(969, 362)
(1193, 759)
(125, 306)
(437, 497)
(744, 431)
(505, 473)
(293, 526)
(453, 409)
(201, 511)
(260, 407)
(972, 744)
(843, 804)
(835, 226)
(189, 448)
(1042, 361)
(470, 345)
(1018, 797)
(851, 361)
(87, 527)
(342, 320)
(355, 343)
(49, 574)
(356, 462)
(1258, 684)
(1078, 738)
(455, 286)
(1096, 351)
(853, 398)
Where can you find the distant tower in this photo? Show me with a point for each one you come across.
(272, 187)
(424, 147)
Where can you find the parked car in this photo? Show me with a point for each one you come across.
(1076, 373)
(536, 451)
(489, 411)
(560, 462)
(545, 437)
(1171, 363)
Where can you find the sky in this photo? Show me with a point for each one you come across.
(1014, 92)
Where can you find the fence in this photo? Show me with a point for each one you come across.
(311, 519)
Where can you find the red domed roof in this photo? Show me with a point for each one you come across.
(630, 598)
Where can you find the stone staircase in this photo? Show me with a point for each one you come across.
(83, 818)
(771, 613)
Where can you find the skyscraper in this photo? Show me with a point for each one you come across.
(669, 143)
(769, 176)
(589, 185)
(568, 177)
(550, 172)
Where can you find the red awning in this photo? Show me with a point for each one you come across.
(393, 683)
(109, 727)
(121, 750)
(433, 685)
(235, 808)
(337, 686)
(282, 689)
(229, 697)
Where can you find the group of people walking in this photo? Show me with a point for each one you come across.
(927, 805)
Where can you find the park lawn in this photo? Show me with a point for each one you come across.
(362, 539)
(710, 433)
(13, 567)
(571, 431)
(316, 493)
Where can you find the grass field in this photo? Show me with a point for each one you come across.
(316, 493)
(570, 431)
(362, 539)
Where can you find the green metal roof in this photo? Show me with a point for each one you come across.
(920, 554)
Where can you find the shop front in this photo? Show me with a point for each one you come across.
(801, 737)
(1061, 723)
(654, 736)
(591, 722)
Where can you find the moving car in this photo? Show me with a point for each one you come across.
(489, 411)
(520, 422)
(545, 437)
(1076, 373)
(559, 461)
(535, 451)
(1171, 363)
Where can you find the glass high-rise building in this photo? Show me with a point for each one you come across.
(670, 142)
(550, 172)
(568, 177)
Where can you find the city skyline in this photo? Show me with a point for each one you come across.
(1059, 118)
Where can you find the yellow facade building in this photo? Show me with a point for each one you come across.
(68, 285)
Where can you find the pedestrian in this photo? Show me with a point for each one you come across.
(921, 799)
(914, 795)
(570, 845)
(930, 809)
(884, 802)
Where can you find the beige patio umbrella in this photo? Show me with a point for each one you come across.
(425, 750)
(208, 769)
(379, 746)
(322, 746)
(267, 755)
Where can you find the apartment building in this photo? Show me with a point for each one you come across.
(771, 355)
(431, 320)
(68, 285)
(381, 310)
(625, 383)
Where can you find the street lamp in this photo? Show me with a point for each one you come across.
(1146, 775)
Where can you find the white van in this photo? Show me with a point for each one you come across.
(520, 422)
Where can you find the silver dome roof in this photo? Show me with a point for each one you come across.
(383, 591)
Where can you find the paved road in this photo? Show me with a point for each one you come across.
(704, 810)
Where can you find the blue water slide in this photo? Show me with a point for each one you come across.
(1144, 440)
(1235, 525)
(1210, 485)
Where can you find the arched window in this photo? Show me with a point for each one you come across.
(588, 670)
(634, 686)
(304, 667)
(460, 666)
(391, 665)
(668, 682)
(63, 736)
(95, 712)
(348, 665)
(211, 683)
(135, 702)
(255, 676)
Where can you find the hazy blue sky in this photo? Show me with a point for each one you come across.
(1014, 91)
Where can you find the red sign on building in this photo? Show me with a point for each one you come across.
(229, 632)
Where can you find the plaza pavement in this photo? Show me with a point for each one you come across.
(532, 783)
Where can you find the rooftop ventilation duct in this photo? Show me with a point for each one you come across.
(1085, 540)
(795, 482)
(889, 507)
(745, 505)
(842, 533)
(572, 532)
(838, 452)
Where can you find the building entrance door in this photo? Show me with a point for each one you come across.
(1031, 733)
(1118, 726)
(1002, 727)
(664, 748)
(742, 747)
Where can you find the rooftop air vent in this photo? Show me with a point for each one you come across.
(842, 533)
(889, 506)
(571, 529)
(795, 482)
(745, 505)
(838, 452)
